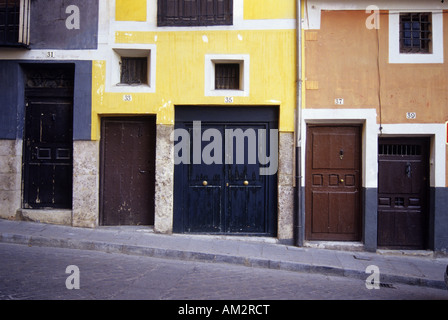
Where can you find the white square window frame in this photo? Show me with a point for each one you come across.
(437, 39)
(113, 69)
(211, 60)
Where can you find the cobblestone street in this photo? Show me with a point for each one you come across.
(40, 273)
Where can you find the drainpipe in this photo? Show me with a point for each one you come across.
(299, 215)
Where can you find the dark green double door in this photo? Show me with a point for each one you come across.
(221, 189)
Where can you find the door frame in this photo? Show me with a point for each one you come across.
(425, 142)
(39, 88)
(308, 157)
(102, 158)
(242, 114)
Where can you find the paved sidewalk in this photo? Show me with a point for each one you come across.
(254, 252)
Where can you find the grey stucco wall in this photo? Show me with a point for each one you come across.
(48, 25)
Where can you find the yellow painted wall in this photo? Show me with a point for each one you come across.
(344, 60)
(269, 9)
(130, 10)
(180, 73)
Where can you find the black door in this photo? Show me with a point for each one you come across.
(128, 170)
(228, 195)
(48, 153)
(48, 137)
(402, 193)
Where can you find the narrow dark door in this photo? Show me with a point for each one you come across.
(48, 153)
(228, 196)
(128, 171)
(202, 188)
(247, 196)
(402, 193)
(332, 183)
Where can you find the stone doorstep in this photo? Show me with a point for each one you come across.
(51, 216)
(358, 246)
(335, 245)
(408, 253)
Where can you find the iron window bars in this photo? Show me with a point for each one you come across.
(399, 150)
(14, 23)
(415, 32)
(194, 12)
(227, 76)
(134, 70)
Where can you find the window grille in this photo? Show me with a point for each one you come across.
(227, 76)
(14, 22)
(134, 70)
(194, 12)
(415, 33)
(399, 150)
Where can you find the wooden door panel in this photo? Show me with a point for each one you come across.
(128, 171)
(336, 213)
(247, 210)
(329, 147)
(246, 196)
(48, 162)
(344, 212)
(204, 209)
(332, 183)
(320, 222)
(401, 229)
(402, 193)
(391, 177)
(231, 196)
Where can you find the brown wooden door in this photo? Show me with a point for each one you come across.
(333, 183)
(128, 171)
(402, 193)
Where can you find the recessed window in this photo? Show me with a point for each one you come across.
(415, 32)
(134, 70)
(131, 69)
(227, 76)
(415, 36)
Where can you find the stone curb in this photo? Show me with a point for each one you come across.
(154, 252)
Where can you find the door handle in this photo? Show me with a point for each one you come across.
(204, 183)
(142, 171)
(408, 169)
(246, 183)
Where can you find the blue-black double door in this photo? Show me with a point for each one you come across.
(221, 190)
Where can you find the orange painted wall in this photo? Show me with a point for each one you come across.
(346, 60)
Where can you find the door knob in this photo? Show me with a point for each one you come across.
(246, 183)
(204, 183)
(342, 180)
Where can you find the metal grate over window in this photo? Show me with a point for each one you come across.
(399, 150)
(227, 76)
(415, 33)
(134, 70)
(14, 22)
(194, 12)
